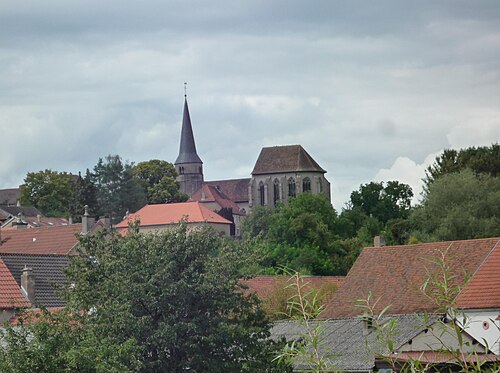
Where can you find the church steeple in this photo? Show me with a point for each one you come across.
(188, 164)
(187, 149)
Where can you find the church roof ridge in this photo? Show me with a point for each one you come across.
(285, 158)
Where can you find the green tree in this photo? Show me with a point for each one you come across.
(117, 189)
(157, 177)
(84, 193)
(391, 201)
(60, 341)
(177, 294)
(50, 191)
(481, 160)
(459, 206)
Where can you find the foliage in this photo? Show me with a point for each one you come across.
(305, 307)
(61, 342)
(176, 293)
(117, 190)
(157, 178)
(391, 201)
(84, 194)
(459, 206)
(276, 304)
(50, 191)
(481, 160)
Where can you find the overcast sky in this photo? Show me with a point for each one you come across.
(373, 90)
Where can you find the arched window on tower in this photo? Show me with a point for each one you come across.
(291, 187)
(320, 186)
(181, 170)
(276, 191)
(306, 185)
(262, 194)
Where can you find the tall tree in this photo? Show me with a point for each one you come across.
(459, 206)
(117, 189)
(391, 201)
(84, 194)
(50, 191)
(481, 160)
(177, 295)
(157, 177)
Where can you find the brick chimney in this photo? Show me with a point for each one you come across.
(28, 284)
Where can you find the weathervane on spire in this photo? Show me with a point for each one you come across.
(185, 89)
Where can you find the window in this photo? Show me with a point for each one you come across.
(306, 185)
(291, 187)
(276, 190)
(262, 194)
(320, 186)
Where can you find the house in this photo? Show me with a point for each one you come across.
(9, 212)
(404, 279)
(38, 221)
(153, 218)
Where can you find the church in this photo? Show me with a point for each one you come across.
(280, 173)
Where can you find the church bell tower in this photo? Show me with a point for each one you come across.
(188, 165)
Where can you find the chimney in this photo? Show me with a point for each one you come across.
(106, 221)
(38, 216)
(87, 221)
(19, 223)
(28, 284)
(379, 241)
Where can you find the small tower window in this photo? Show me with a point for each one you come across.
(306, 185)
(262, 194)
(320, 186)
(291, 187)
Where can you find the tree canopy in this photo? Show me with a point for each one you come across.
(49, 191)
(481, 160)
(157, 178)
(168, 302)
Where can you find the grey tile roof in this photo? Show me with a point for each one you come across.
(48, 271)
(15, 210)
(350, 347)
(289, 158)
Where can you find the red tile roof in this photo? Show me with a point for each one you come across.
(265, 286)
(49, 240)
(483, 291)
(173, 213)
(10, 293)
(208, 193)
(395, 274)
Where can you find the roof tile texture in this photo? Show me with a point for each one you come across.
(395, 275)
(288, 158)
(483, 291)
(209, 193)
(49, 240)
(234, 189)
(10, 291)
(173, 213)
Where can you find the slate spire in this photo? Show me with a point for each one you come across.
(187, 149)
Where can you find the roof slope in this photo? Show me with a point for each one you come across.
(234, 189)
(347, 339)
(395, 274)
(16, 210)
(9, 196)
(49, 240)
(10, 291)
(38, 222)
(209, 193)
(288, 158)
(483, 291)
(48, 271)
(187, 148)
(265, 286)
(173, 213)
